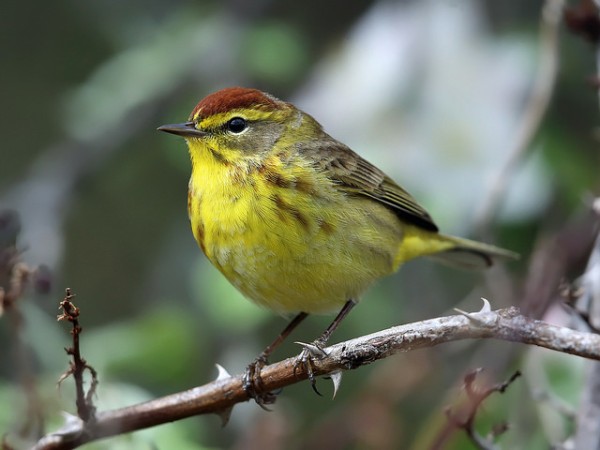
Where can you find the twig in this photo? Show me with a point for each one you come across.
(541, 92)
(476, 398)
(584, 19)
(587, 435)
(506, 324)
(77, 367)
(555, 402)
(551, 260)
(15, 276)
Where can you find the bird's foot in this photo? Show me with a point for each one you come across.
(310, 353)
(253, 384)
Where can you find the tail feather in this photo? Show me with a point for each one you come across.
(470, 254)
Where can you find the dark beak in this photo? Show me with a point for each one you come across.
(187, 129)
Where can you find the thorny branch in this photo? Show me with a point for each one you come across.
(77, 367)
(222, 394)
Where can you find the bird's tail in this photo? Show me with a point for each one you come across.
(450, 250)
(470, 254)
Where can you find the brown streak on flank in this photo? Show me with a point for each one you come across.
(326, 227)
(279, 208)
(232, 98)
(276, 178)
(200, 236)
(189, 203)
(261, 168)
(301, 218)
(282, 205)
(199, 231)
(238, 175)
(305, 186)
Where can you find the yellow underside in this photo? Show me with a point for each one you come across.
(297, 244)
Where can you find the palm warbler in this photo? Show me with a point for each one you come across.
(294, 219)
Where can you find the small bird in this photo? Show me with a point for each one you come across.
(296, 220)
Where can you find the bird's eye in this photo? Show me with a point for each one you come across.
(237, 125)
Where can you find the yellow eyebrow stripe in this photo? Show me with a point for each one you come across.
(217, 120)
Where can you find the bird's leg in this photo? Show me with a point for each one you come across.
(252, 381)
(312, 350)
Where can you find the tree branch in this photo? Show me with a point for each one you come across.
(78, 366)
(476, 397)
(535, 109)
(221, 395)
(584, 19)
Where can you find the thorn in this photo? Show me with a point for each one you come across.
(72, 428)
(63, 377)
(486, 308)
(223, 374)
(470, 316)
(224, 414)
(72, 423)
(336, 377)
(312, 349)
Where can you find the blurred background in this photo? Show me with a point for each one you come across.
(437, 93)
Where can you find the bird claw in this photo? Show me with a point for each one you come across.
(313, 349)
(253, 385)
(309, 353)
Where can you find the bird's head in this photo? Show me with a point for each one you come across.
(237, 124)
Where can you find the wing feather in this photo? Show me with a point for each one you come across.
(355, 175)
